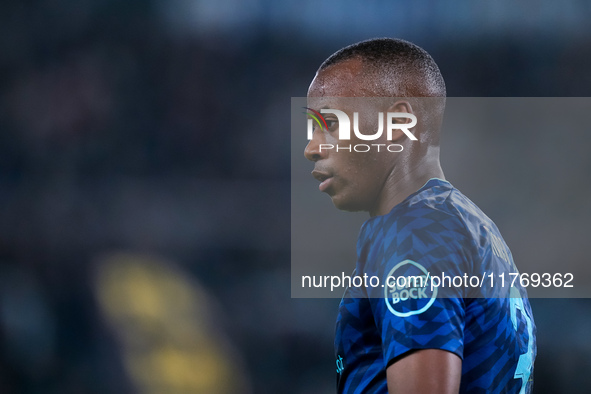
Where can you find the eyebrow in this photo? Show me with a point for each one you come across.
(323, 107)
(319, 114)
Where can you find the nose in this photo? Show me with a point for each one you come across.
(313, 152)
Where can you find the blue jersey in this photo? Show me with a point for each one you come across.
(435, 233)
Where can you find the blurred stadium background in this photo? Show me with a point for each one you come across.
(145, 193)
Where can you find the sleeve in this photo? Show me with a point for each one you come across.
(410, 311)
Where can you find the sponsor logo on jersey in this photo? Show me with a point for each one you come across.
(407, 291)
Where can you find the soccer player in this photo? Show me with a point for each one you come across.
(405, 337)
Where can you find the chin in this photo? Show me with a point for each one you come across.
(347, 204)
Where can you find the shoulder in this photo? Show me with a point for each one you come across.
(436, 208)
(437, 223)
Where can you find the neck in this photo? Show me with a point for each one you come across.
(397, 188)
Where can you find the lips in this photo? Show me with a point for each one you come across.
(324, 178)
(321, 176)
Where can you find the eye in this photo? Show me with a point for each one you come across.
(332, 124)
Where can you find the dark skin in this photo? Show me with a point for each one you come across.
(387, 178)
(376, 182)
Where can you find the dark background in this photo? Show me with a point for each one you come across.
(145, 183)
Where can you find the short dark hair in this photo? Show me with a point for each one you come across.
(397, 59)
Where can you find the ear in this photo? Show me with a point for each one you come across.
(400, 106)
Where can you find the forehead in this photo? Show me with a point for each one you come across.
(344, 79)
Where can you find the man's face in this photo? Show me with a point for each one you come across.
(353, 180)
